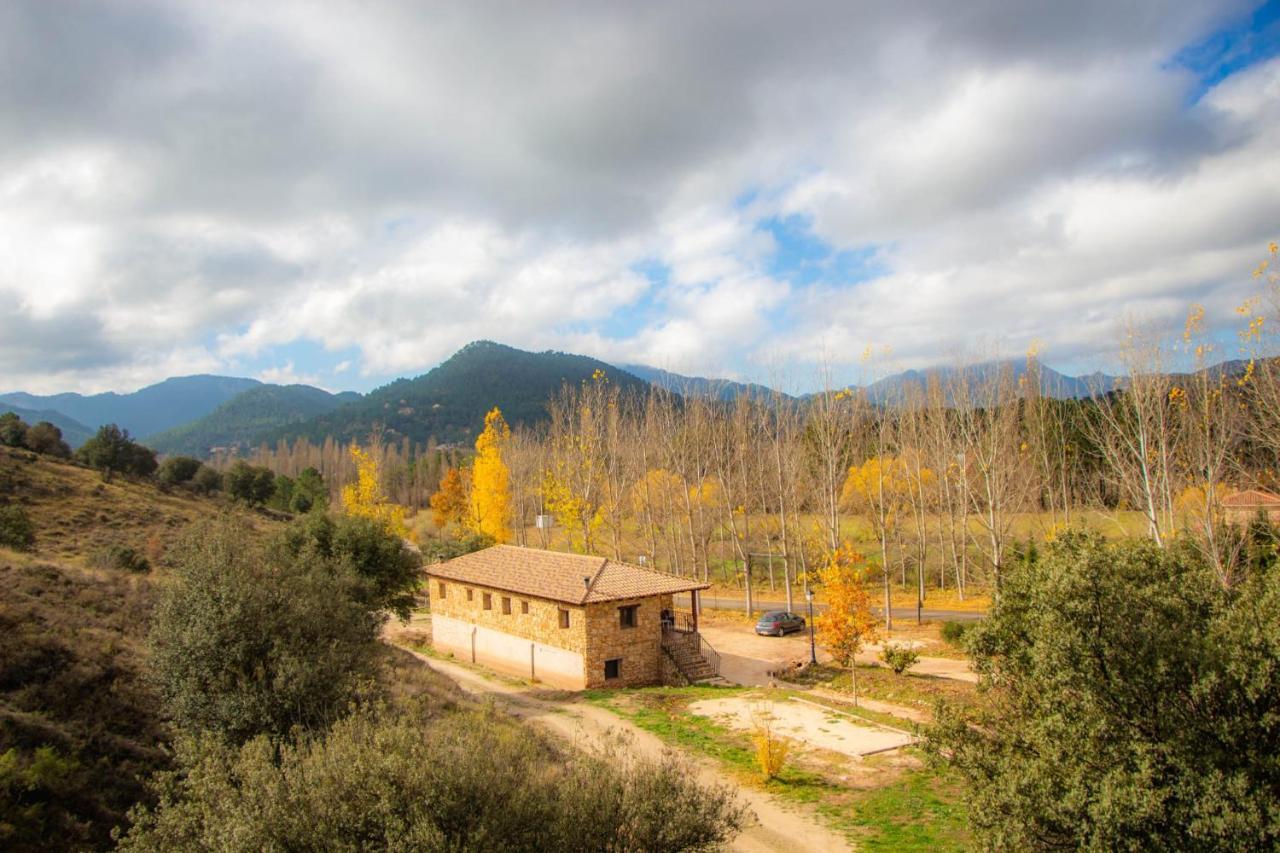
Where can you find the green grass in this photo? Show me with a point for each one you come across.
(918, 810)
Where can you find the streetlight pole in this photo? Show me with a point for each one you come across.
(813, 651)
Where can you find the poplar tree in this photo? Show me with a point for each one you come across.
(491, 480)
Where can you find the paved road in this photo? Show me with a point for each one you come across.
(761, 605)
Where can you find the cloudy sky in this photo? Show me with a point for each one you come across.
(341, 193)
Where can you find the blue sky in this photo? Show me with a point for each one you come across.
(345, 198)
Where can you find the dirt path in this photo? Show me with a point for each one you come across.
(778, 827)
(747, 658)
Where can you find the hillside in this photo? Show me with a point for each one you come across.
(74, 433)
(248, 418)
(146, 411)
(75, 709)
(449, 402)
(698, 386)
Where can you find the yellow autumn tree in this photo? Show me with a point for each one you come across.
(451, 503)
(491, 480)
(848, 623)
(365, 499)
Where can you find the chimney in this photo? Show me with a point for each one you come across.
(586, 581)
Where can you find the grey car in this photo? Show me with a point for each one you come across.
(775, 623)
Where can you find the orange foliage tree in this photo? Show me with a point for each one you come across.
(451, 503)
(848, 623)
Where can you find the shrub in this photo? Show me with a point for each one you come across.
(16, 530)
(1137, 704)
(177, 469)
(771, 750)
(111, 450)
(464, 781)
(899, 658)
(439, 550)
(385, 572)
(46, 438)
(249, 483)
(953, 632)
(13, 430)
(120, 558)
(247, 642)
(206, 480)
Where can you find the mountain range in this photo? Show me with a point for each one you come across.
(144, 412)
(194, 414)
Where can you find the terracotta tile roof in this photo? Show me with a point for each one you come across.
(571, 578)
(1251, 498)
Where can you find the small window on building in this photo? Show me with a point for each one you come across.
(506, 605)
(564, 618)
(470, 593)
(627, 616)
(488, 601)
(441, 588)
(613, 668)
(524, 607)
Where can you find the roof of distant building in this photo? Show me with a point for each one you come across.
(554, 575)
(1251, 498)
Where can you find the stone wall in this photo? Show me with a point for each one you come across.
(638, 648)
(594, 633)
(540, 625)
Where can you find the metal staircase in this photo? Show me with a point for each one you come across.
(692, 655)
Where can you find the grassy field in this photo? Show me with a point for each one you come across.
(882, 802)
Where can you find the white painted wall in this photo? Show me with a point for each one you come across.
(507, 652)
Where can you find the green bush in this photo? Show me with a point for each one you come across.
(120, 558)
(1137, 700)
(207, 480)
(466, 781)
(954, 632)
(899, 658)
(247, 642)
(16, 530)
(177, 469)
(111, 450)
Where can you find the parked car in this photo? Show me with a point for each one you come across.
(775, 623)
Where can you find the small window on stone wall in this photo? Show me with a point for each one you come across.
(564, 618)
(470, 593)
(613, 668)
(488, 601)
(506, 606)
(440, 587)
(627, 616)
(524, 607)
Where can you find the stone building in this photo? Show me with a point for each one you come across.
(567, 620)
(1244, 506)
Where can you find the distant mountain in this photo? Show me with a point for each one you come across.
(449, 402)
(1052, 383)
(146, 411)
(698, 386)
(249, 418)
(74, 433)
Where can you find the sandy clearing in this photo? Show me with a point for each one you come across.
(809, 724)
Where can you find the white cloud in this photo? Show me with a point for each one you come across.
(396, 180)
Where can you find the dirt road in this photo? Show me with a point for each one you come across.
(778, 826)
(747, 658)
